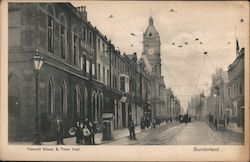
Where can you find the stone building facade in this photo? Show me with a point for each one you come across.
(236, 89)
(83, 75)
(152, 57)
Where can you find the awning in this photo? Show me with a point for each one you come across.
(107, 116)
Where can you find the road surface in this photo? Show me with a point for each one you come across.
(194, 133)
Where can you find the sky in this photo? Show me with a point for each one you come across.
(185, 69)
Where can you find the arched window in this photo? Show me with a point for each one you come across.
(63, 36)
(51, 97)
(77, 102)
(86, 101)
(83, 103)
(63, 99)
(50, 28)
(100, 105)
(93, 106)
(97, 107)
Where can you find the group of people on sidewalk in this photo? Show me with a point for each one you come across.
(85, 132)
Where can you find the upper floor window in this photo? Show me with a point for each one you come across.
(103, 47)
(62, 41)
(90, 38)
(62, 35)
(50, 34)
(87, 66)
(98, 71)
(98, 45)
(74, 49)
(103, 75)
(93, 69)
(108, 77)
(122, 84)
(84, 33)
(241, 89)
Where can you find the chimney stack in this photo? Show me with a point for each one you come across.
(82, 11)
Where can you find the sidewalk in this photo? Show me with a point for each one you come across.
(230, 127)
(120, 133)
(234, 128)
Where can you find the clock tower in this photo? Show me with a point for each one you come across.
(151, 47)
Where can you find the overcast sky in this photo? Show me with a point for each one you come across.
(215, 24)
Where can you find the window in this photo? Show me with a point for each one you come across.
(103, 71)
(84, 33)
(87, 66)
(103, 47)
(74, 49)
(122, 84)
(51, 96)
(64, 98)
(241, 89)
(108, 77)
(50, 34)
(62, 41)
(98, 71)
(82, 63)
(90, 38)
(93, 69)
(228, 92)
(98, 44)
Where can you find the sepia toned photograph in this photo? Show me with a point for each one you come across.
(119, 73)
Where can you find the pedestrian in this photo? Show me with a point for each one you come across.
(59, 130)
(77, 132)
(86, 135)
(80, 135)
(154, 123)
(86, 122)
(92, 131)
(132, 130)
(142, 125)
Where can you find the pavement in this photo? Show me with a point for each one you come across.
(193, 133)
(120, 133)
(234, 128)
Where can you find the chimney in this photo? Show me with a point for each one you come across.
(82, 11)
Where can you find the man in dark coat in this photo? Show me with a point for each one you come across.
(92, 131)
(132, 130)
(59, 130)
(77, 126)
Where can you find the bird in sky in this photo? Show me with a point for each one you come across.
(132, 34)
(228, 42)
(180, 45)
(111, 16)
(205, 53)
(173, 43)
(132, 45)
(196, 39)
(200, 42)
(241, 20)
(186, 42)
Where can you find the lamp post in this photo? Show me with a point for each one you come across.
(38, 62)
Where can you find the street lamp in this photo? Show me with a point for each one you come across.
(38, 62)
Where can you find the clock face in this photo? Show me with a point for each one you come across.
(151, 51)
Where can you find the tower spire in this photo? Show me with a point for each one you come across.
(151, 21)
